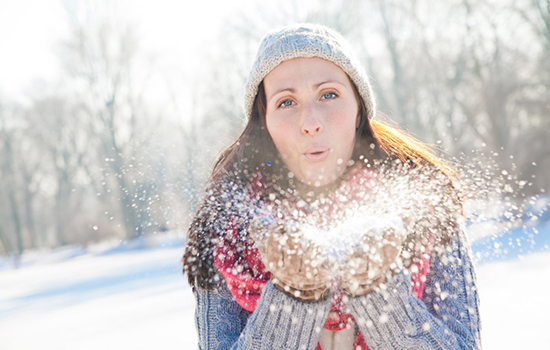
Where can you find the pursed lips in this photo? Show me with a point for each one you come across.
(316, 153)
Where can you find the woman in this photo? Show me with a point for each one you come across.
(323, 228)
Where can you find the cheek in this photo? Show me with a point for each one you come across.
(344, 127)
(278, 130)
(344, 133)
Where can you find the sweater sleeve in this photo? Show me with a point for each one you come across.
(218, 318)
(279, 321)
(446, 318)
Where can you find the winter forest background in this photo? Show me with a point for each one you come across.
(111, 113)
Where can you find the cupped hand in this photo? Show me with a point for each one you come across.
(368, 263)
(298, 266)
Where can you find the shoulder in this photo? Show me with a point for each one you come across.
(225, 209)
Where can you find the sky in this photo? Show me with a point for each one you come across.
(30, 31)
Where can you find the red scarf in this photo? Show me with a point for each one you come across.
(246, 275)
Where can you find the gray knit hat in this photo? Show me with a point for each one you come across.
(306, 40)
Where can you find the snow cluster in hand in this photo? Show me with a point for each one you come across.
(337, 240)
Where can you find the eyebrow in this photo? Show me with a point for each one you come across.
(279, 91)
(316, 86)
(292, 90)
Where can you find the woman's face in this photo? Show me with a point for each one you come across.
(312, 115)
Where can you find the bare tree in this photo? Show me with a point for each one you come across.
(12, 220)
(102, 58)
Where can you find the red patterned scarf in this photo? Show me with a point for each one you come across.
(246, 275)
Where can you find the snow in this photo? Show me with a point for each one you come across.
(337, 240)
(133, 296)
(515, 308)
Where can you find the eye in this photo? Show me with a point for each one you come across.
(285, 103)
(329, 96)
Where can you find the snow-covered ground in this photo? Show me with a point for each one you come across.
(515, 303)
(116, 299)
(134, 297)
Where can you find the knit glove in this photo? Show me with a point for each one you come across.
(367, 263)
(298, 267)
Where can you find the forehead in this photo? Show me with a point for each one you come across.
(302, 69)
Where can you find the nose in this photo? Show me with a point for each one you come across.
(311, 124)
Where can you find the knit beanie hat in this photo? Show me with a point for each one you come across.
(306, 40)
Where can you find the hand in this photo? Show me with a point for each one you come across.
(367, 264)
(298, 267)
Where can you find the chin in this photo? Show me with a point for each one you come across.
(320, 180)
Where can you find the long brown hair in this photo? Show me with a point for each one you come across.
(254, 149)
